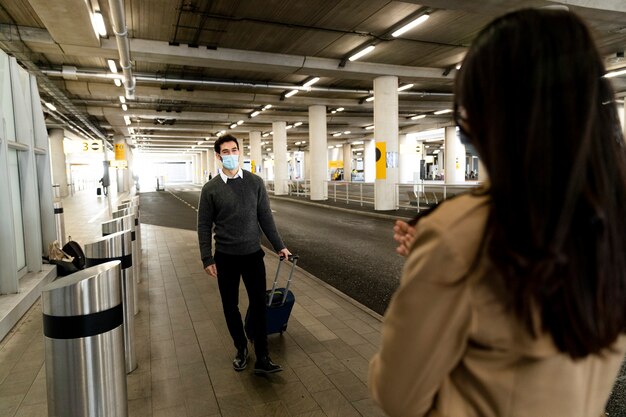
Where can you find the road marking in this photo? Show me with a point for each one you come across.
(182, 200)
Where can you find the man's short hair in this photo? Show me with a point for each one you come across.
(223, 139)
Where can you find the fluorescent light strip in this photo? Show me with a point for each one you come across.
(337, 134)
(370, 98)
(405, 87)
(239, 122)
(255, 113)
(443, 111)
(267, 106)
(98, 24)
(615, 73)
(122, 99)
(118, 82)
(411, 25)
(419, 116)
(291, 93)
(296, 124)
(124, 107)
(362, 53)
(50, 106)
(311, 82)
(369, 127)
(112, 66)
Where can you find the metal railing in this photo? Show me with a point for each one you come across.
(418, 196)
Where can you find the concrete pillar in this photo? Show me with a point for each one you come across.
(369, 160)
(307, 165)
(256, 154)
(454, 157)
(318, 157)
(211, 165)
(203, 171)
(347, 162)
(57, 161)
(386, 135)
(122, 174)
(279, 146)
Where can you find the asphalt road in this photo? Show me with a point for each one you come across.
(352, 252)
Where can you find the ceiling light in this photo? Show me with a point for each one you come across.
(122, 99)
(98, 24)
(298, 143)
(311, 82)
(112, 65)
(291, 93)
(331, 147)
(127, 120)
(255, 113)
(265, 135)
(357, 142)
(419, 116)
(239, 122)
(288, 126)
(443, 111)
(347, 132)
(405, 87)
(337, 134)
(50, 106)
(458, 66)
(234, 125)
(369, 127)
(303, 142)
(272, 133)
(371, 98)
(268, 149)
(436, 151)
(615, 73)
(200, 142)
(296, 124)
(267, 106)
(340, 109)
(362, 52)
(117, 82)
(333, 111)
(124, 107)
(410, 25)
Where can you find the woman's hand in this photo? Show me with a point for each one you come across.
(404, 234)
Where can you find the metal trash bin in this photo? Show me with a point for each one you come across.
(84, 343)
(118, 247)
(59, 222)
(56, 189)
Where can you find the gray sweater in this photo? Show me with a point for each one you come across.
(236, 212)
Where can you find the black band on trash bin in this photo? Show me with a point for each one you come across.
(136, 221)
(74, 327)
(58, 210)
(132, 235)
(126, 261)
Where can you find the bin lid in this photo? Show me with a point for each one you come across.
(113, 245)
(88, 291)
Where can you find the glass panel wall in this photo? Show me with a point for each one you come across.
(16, 198)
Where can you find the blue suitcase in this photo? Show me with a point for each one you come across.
(279, 303)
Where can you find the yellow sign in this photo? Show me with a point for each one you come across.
(381, 160)
(120, 153)
(335, 164)
(92, 146)
(252, 166)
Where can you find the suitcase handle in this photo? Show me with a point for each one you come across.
(294, 261)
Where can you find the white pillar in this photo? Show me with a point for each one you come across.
(279, 146)
(256, 154)
(203, 172)
(386, 135)
(318, 143)
(211, 162)
(57, 161)
(369, 160)
(121, 174)
(454, 157)
(347, 162)
(307, 165)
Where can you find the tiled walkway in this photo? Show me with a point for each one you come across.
(184, 350)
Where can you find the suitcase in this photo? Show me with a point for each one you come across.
(279, 302)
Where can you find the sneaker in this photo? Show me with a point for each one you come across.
(241, 360)
(264, 365)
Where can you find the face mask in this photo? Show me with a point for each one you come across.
(230, 161)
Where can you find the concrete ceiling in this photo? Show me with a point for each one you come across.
(201, 65)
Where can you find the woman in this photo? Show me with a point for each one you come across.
(512, 300)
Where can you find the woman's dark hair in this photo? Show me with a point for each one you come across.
(544, 121)
(223, 139)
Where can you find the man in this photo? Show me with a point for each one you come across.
(234, 205)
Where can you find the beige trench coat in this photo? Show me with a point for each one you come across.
(450, 348)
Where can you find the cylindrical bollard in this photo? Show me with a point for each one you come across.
(121, 224)
(60, 222)
(117, 247)
(56, 190)
(134, 210)
(84, 343)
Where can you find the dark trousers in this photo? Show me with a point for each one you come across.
(252, 269)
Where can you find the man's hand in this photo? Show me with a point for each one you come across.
(404, 234)
(284, 252)
(211, 270)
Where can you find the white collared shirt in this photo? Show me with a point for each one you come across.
(225, 177)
